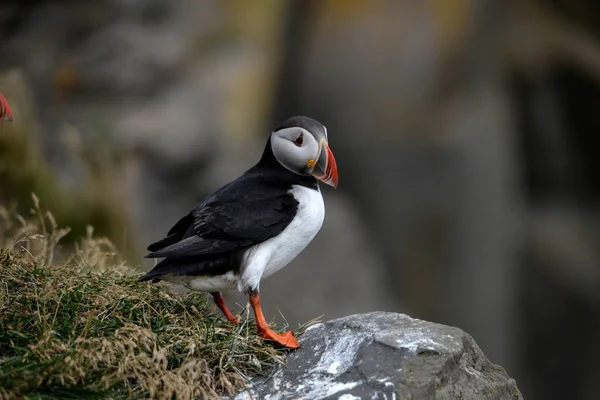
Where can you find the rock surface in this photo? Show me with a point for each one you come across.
(383, 355)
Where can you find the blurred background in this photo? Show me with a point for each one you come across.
(465, 132)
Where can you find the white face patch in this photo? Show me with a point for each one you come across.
(292, 156)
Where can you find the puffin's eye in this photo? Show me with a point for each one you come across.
(299, 140)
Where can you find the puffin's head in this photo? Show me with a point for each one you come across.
(300, 145)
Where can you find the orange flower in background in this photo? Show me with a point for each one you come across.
(5, 111)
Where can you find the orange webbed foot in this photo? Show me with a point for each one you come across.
(285, 339)
(220, 302)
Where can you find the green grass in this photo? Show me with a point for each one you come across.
(80, 326)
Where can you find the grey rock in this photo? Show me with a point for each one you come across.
(383, 355)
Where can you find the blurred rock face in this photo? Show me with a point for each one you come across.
(175, 87)
(429, 154)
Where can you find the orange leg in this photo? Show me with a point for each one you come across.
(286, 339)
(220, 302)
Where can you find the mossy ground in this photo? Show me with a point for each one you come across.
(82, 327)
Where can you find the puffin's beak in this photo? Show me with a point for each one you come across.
(325, 169)
(5, 111)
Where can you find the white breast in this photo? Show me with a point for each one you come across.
(272, 255)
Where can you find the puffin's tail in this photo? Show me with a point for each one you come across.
(147, 277)
(155, 273)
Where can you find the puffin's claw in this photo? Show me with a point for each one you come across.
(285, 339)
(220, 302)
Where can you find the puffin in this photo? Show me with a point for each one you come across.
(255, 225)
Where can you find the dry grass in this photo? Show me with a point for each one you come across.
(82, 327)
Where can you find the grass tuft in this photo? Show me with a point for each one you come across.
(80, 326)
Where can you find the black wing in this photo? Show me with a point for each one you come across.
(246, 212)
(175, 234)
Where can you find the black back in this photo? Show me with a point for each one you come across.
(212, 238)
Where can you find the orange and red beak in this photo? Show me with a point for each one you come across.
(325, 168)
(5, 111)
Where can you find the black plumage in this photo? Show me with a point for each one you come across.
(303, 122)
(213, 237)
